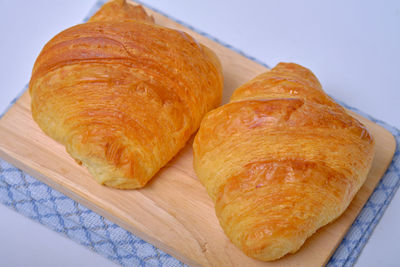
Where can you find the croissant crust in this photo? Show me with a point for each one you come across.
(281, 160)
(122, 93)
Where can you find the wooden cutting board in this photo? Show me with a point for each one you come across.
(173, 211)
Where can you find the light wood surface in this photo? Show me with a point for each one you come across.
(173, 211)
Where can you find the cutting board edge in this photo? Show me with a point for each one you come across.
(66, 190)
(96, 208)
(112, 217)
(344, 233)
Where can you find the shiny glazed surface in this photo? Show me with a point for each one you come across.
(281, 160)
(122, 93)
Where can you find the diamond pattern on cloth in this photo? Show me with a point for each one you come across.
(352, 244)
(49, 207)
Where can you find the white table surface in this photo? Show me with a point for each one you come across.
(352, 46)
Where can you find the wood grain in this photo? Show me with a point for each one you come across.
(173, 211)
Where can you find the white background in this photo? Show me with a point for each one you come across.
(352, 46)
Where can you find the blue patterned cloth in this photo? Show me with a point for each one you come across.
(49, 207)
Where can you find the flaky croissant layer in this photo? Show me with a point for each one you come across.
(122, 93)
(281, 160)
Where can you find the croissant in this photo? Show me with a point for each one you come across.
(122, 94)
(281, 160)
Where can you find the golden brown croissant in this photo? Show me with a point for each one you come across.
(281, 160)
(123, 94)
